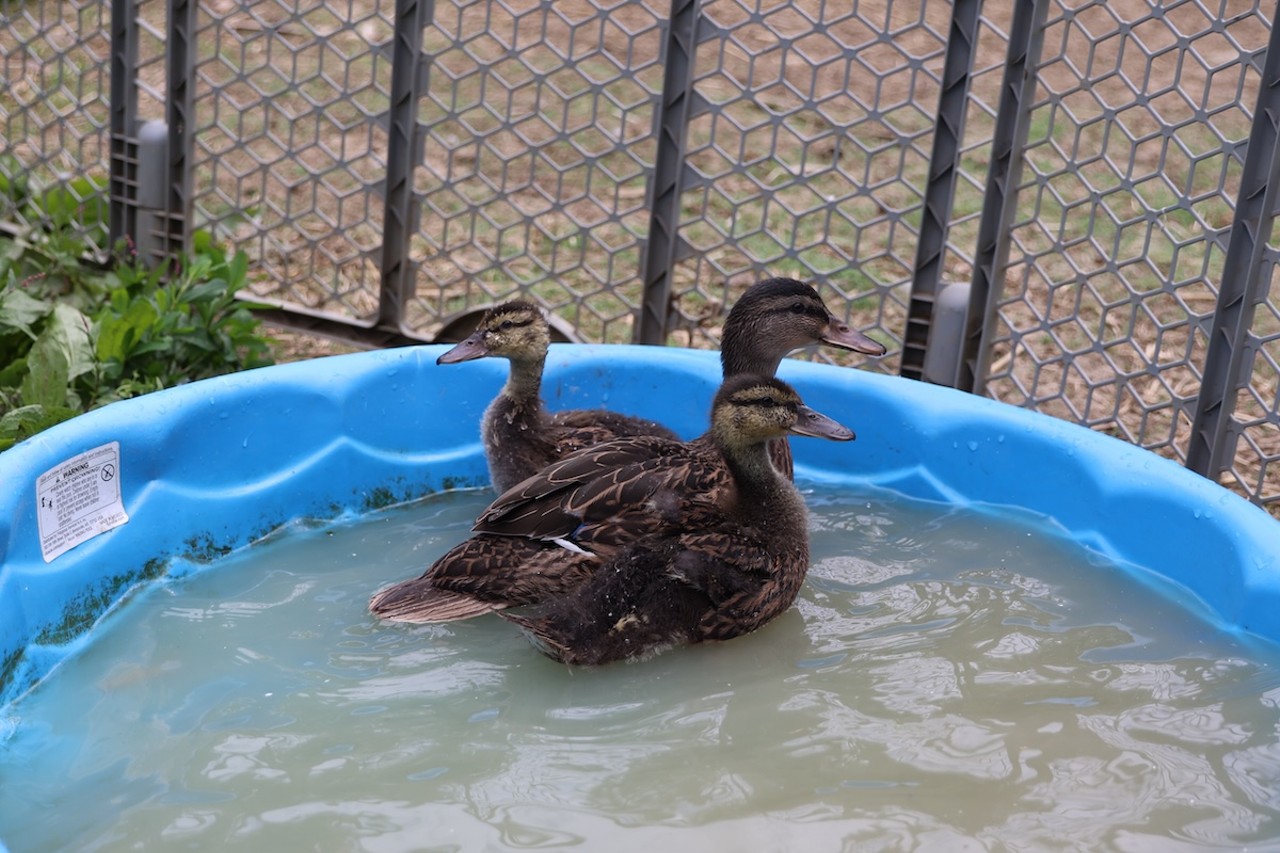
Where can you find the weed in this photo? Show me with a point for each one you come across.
(75, 335)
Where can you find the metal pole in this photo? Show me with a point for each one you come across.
(1246, 275)
(664, 245)
(944, 164)
(123, 116)
(408, 71)
(1008, 143)
(180, 109)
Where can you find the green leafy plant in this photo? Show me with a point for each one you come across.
(75, 335)
(155, 333)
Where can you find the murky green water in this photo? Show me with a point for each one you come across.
(947, 681)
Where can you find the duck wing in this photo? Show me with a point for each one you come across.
(482, 575)
(607, 495)
(418, 601)
(582, 428)
(545, 536)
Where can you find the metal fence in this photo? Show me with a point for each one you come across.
(1067, 206)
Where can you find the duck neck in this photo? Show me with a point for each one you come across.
(524, 385)
(738, 356)
(764, 496)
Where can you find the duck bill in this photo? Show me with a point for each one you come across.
(467, 350)
(841, 334)
(818, 425)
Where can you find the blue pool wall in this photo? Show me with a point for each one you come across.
(214, 465)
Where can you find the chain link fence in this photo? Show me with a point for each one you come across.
(1067, 206)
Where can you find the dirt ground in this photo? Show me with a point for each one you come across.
(289, 345)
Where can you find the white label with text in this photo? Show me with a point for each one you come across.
(79, 499)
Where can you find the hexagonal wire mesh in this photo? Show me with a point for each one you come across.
(54, 116)
(808, 155)
(536, 128)
(288, 152)
(1132, 169)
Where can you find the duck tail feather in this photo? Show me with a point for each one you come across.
(413, 601)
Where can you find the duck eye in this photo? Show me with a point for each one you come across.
(797, 308)
(506, 324)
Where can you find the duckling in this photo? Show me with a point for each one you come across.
(520, 437)
(721, 531)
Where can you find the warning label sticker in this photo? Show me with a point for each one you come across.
(79, 499)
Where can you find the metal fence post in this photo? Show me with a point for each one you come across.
(663, 247)
(124, 112)
(408, 67)
(1246, 276)
(149, 203)
(181, 71)
(944, 163)
(1008, 144)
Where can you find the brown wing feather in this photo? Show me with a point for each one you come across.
(626, 485)
(606, 425)
(521, 439)
(571, 471)
(544, 536)
(417, 601)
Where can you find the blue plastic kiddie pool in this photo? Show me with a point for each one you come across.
(103, 502)
(210, 466)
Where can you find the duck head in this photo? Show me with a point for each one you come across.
(514, 330)
(751, 409)
(778, 316)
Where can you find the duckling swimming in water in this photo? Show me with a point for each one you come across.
(520, 436)
(638, 543)
(725, 570)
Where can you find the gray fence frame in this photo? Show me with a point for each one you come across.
(151, 144)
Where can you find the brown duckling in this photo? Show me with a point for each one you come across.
(520, 436)
(721, 530)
